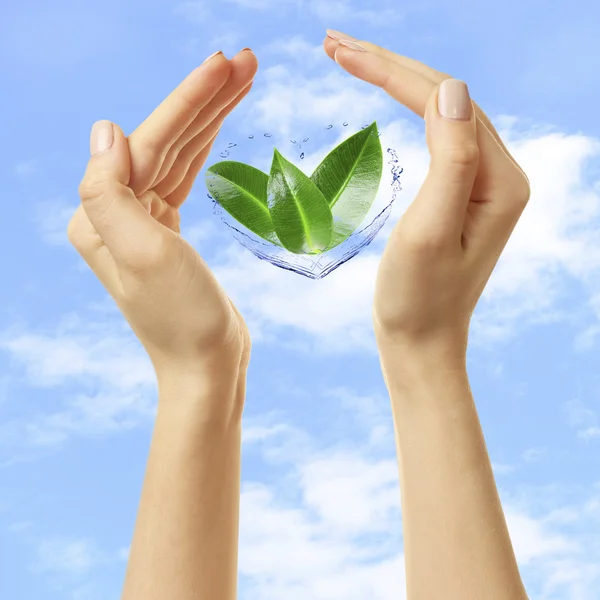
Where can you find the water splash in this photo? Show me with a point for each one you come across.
(317, 266)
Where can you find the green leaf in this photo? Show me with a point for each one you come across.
(300, 213)
(349, 178)
(242, 191)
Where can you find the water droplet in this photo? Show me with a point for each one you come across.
(231, 145)
(293, 141)
(305, 140)
(379, 134)
(210, 196)
(364, 126)
(302, 155)
(329, 127)
(224, 154)
(250, 137)
(345, 124)
(268, 135)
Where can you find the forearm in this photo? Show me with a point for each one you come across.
(457, 545)
(185, 544)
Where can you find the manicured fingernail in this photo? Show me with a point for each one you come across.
(352, 45)
(213, 55)
(101, 137)
(454, 101)
(338, 35)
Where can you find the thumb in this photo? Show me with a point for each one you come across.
(441, 204)
(111, 206)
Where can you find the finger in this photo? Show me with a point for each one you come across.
(413, 89)
(161, 211)
(179, 195)
(123, 224)
(91, 248)
(331, 44)
(243, 70)
(194, 147)
(437, 215)
(500, 190)
(150, 142)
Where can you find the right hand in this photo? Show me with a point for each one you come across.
(127, 227)
(443, 250)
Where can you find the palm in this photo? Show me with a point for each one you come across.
(171, 146)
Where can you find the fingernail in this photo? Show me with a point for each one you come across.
(454, 101)
(352, 45)
(338, 35)
(246, 50)
(101, 137)
(213, 55)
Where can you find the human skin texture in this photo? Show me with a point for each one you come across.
(436, 264)
(185, 543)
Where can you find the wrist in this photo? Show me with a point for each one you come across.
(408, 365)
(214, 396)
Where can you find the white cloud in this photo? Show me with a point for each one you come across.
(533, 454)
(199, 232)
(555, 242)
(331, 528)
(583, 418)
(52, 218)
(335, 11)
(123, 553)
(114, 375)
(288, 100)
(26, 168)
(60, 555)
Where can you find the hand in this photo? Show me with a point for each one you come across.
(127, 226)
(443, 250)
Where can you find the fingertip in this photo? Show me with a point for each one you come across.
(330, 46)
(101, 137)
(109, 152)
(454, 100)
(214, 55)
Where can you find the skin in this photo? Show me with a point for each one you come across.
(432, 273)
(435, 266)
(127, 230)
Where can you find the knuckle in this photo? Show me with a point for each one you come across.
(516, 196)
(92, 188)
(465, 155)
(76, 233)
(523, 193)
(73, 230)
(417, 241)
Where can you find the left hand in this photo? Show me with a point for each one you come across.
(443, 250)
(127, 227)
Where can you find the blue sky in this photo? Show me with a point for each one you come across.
(320, 501)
